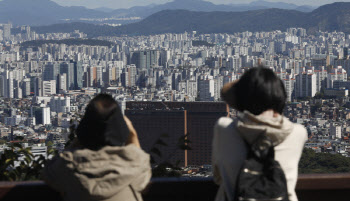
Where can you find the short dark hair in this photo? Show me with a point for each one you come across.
(103, 124)
(259, 89)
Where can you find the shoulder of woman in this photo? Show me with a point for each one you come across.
(224, 122)
(300, 131)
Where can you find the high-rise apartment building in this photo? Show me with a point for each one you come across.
(49, 88)
(345, 63)
(1, 35)
(338, 73)
(99, 76)
(111, 74)
(62, 82)
(26, 87)
(206, 89)
(321, 78)
(17, 89)
(234, 63)
(129, 76)
(2, 85)
(7, 31)
(91, 77)
(68, 69)
(51, 71)
(335, 131)
(78, 75)
(218, 84)
(345, 52)
(192, 88)
(289, 84)
(145, 59)
(8, 85)
(305, 84)
(46, 116)
(60, 104)
(38, 86)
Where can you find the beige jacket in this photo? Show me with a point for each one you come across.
(110, 174)
(229, 149)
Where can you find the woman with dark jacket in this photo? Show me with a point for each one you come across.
(105, 162)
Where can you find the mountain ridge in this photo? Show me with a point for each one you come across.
(44, 12)
(330, 17)
(25, 12)
(206, 6)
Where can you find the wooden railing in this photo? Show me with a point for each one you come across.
(316, 187)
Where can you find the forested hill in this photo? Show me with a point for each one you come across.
(330, 17)
(91, 42)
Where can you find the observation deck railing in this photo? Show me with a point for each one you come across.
(312, 187)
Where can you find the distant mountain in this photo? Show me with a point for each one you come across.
(201, 5)
(104, 9)
(214, 22)
(330, 17)
(305, 8)
(282, 5)
(43, 12)
(38, 12)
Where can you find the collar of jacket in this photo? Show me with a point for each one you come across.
(250, 126)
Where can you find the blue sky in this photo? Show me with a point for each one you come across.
(130, 3)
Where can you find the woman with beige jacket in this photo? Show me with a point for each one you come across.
(259, 97)
(105, 162)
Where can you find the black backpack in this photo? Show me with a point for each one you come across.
(261, 177)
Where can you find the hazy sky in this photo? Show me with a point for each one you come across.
(130, 3)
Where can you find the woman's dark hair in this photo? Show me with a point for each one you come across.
(103, 124)
(258, 90)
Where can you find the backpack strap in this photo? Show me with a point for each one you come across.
(134, 193)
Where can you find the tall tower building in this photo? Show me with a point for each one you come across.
(289, 85)
(60, 104)
(145, 59)
(7, 31)
(306, 85)
(8, 84)
(26, 87)
(218, 84)
(336, 74)
(46, 116)
(346, 52)
(206, 88)
(1, 35)
(336, 131)
(49, 88)
(2, 85)
(68, 69)
(38, 86)
(78, 75)
(51, 70)
(129, 76)
(62, 82)
(99, 76)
